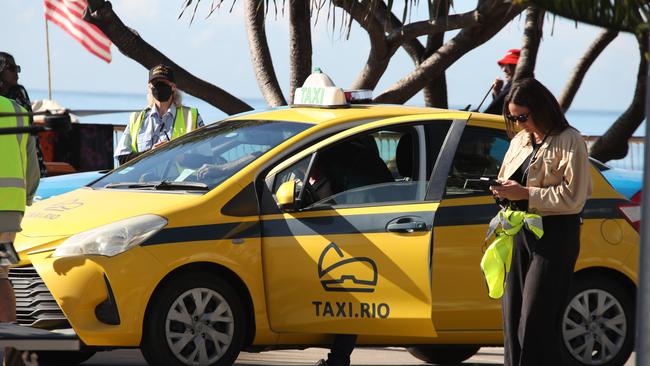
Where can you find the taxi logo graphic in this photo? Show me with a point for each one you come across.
(352, 274)
(65, 205)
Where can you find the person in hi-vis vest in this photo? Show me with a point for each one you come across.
(163, 120)
(19, 177)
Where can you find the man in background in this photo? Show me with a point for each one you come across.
(19, 178)
(499, 90)
(164, 119)
(10, 88)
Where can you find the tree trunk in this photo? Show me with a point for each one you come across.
(389, 21)
(614, 143)
(583, 66)
(300, 50)
(260, 53)
(435, 91)
(101, 14)
(530, 44)
(491, 22)
(373, 70)
(379, 55)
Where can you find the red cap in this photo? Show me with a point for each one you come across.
(511, 57)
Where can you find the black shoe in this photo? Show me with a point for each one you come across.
(321, 363)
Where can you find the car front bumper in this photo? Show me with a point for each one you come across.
(92, 290)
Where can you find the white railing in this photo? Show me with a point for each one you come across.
(634, 158)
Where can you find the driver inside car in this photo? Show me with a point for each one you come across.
(214, 171)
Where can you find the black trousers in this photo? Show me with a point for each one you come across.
(341, 350)
(537, 287)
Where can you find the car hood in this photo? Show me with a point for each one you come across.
(52, 186)
(85, 208)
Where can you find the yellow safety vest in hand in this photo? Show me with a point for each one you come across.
(496, 260)
(13, 150)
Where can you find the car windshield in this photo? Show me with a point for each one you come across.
(203, 159)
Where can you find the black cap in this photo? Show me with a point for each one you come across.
(161, 72)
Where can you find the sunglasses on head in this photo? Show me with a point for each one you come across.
(520, 118)
(13, 68)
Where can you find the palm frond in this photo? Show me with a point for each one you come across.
(623, 15)
(316, 7)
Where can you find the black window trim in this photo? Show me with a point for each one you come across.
(441, 168)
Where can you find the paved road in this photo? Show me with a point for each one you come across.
(362, 356)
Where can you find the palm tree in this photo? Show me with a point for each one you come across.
(614, 15)
(386, 33)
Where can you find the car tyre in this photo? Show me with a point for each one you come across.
(57, 358)
(443, 355)
(194, 319)
(597, 322)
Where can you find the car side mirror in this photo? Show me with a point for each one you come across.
(286, 196)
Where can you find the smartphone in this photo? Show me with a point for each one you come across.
(487, 182)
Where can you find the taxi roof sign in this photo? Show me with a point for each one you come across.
(319, 91)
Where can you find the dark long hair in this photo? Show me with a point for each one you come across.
(4, 58)
(544, 108)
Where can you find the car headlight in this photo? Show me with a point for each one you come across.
(112, 239)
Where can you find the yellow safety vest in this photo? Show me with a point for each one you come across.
(496, 260)
(184, 122)
(13, 157)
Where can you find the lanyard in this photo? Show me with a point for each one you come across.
(162, 130)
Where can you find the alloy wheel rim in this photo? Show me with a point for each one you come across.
(594, 327)
(199, 327)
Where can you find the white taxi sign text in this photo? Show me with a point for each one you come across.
(323, 96)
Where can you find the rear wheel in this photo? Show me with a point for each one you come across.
(194, 320)
(443, 355)
(597, 323)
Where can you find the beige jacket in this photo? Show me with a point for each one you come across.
(559, 179)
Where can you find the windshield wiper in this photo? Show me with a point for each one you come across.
(167, 185)
(164, 185)
(129, 185)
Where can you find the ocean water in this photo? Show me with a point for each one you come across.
(589, 122)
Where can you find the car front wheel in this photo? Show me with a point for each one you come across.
(194, 320)
(597, 323)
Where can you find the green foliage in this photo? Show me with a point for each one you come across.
(623, 15)
(316, 6)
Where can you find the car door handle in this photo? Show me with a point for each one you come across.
(406, 225)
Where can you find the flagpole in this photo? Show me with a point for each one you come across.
(47, 47)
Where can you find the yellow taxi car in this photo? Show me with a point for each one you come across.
(276, 229)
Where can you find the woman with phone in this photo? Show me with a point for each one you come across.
(545, 171)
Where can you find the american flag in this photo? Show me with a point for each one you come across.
(68, 14)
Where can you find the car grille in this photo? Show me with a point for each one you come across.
(35, 305)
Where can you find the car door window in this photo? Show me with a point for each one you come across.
(479, 155)
(295, 172)
(374, 167)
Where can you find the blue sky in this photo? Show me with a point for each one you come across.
(216, 50)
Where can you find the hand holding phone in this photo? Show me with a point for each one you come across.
(488, 182)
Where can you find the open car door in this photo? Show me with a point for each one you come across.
(353, 255)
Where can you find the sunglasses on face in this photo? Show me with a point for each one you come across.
(13, 68)
(520, 118)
